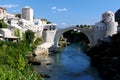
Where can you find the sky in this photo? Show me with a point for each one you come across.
(64, 12)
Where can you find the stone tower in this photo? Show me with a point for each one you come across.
(111, 26)
(27, 13)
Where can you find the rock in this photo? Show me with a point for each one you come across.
(48, 63)
(34, 62)
(44, 75)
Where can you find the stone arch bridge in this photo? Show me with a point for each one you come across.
(87, 31)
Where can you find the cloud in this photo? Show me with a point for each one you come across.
(9, 5)
(61, 9)
(55, 9)
(63, 23)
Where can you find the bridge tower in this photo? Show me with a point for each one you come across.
(49, 32)
(109, 20)
(106, 27)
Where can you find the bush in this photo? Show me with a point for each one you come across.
(13, 63)
(38, 41)
(3, 24)
(29, 36)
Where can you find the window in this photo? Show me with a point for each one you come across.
(108, 14)
(36, 23)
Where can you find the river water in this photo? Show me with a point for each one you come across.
(69, 64)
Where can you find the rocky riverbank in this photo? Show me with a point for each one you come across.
(106, 58)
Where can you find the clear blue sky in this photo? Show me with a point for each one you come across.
(64, 12)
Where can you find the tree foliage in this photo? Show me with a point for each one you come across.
(48, 22)
(17, 32)
(3, 24)
(38, 41)
(13, 62)
(29, 36)
(18, 15)
(74, 36)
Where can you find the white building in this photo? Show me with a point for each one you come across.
(111, 25)
(2, 12)
(8, 34)
(5, 14)
(106, 27)
(38, 22)
(50, 27)
(35, 26)
(39, 27)
(27, 13)
(49, 30)
(25, 23)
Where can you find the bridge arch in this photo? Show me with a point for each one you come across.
(60, 32)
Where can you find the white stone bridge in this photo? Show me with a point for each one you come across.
(87, 31)
(53, 36)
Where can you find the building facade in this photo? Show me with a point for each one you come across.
(27, 13)
(49, 31)
(106, 27)
(5, 14)
(2, 12)
(39, 27)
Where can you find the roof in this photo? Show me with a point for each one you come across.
(6, 30)
(1, 35)
(12, 37)
(2, 8)
(16, 26)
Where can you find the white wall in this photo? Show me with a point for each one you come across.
(111, 28)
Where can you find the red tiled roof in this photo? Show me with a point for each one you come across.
(2, 8)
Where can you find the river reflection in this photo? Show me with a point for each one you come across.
(70, 64)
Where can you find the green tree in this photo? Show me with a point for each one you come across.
(29, 36)
(20, 62)
(48, 22)
(13, 62)
(17, 32)
(3, 24)
(18, 15)
(38, 41)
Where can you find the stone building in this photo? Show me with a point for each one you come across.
(106, 27)
(5, 14)
(27, 13)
